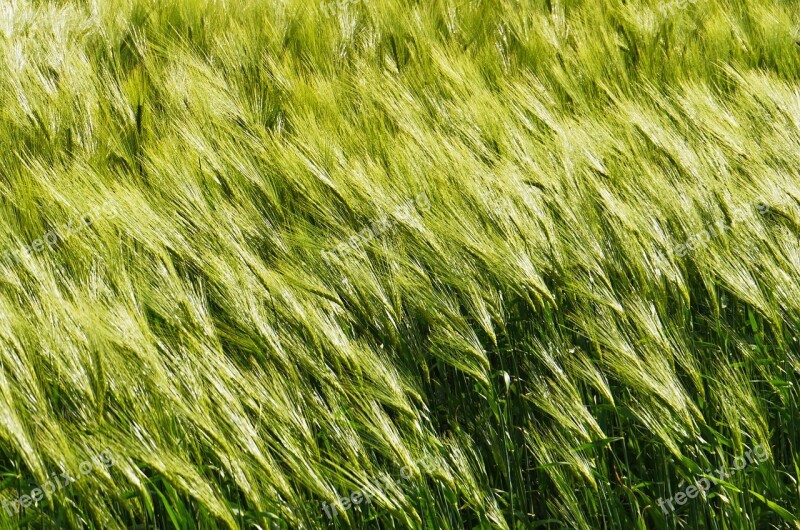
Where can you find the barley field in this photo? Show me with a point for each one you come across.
(389, 264)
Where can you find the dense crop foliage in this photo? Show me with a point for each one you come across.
(470, 264)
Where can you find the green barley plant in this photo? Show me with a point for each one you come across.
(532, 334)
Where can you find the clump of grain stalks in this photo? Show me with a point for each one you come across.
(597, 303)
